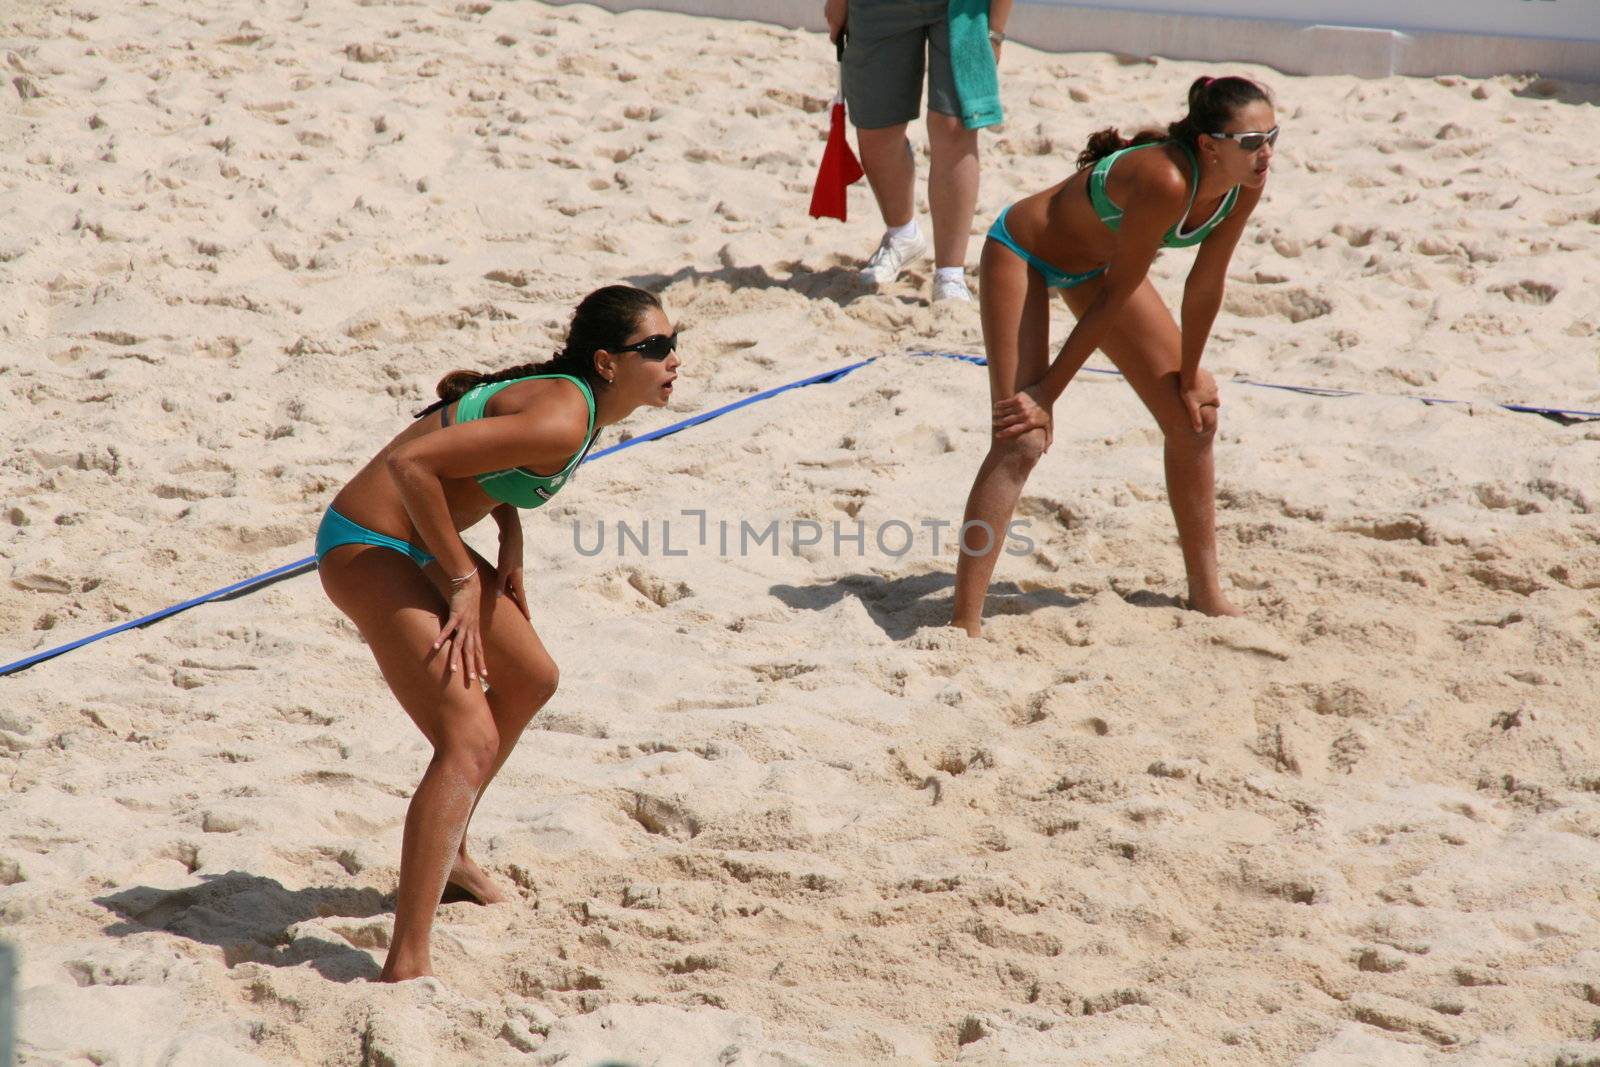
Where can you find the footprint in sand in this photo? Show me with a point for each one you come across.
(662, 817)
(1502, 581)
(658, 591)
(1400, 1016)
(1111, 1001)
(367, 52)
(1347, 699)
(1527, 291)
(995, 936)
(956, 761)
(1296, 305)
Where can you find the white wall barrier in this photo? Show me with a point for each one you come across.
(1368, 38)
(1559, 19)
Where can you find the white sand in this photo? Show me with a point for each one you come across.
(777, 814)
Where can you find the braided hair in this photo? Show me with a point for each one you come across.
(1212, 103)
(603, 319)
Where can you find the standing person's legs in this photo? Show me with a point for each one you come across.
(1015, 310)
(952, 187)
(399, 612)
(953, 151)
(523, 678)
(891, 171)
(883, 65)
(1145, 344)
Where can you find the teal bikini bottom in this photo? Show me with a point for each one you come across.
(337, 530)
(1054, 277)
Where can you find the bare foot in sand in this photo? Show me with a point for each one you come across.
(399, 968)
(472, 883)
(1213, 604)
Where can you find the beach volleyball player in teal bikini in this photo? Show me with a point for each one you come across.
(451, 632)
(1093, 237)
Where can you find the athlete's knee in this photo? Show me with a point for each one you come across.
(1180, 432)
(527, 689)
(543, 684)
(470, 744)
(1020, 453)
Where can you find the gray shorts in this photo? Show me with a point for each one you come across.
(884, 61)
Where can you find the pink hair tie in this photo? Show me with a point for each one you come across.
(1207, 83)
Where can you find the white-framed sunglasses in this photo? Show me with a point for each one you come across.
(1250, 142)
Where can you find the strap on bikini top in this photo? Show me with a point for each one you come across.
(1111, 214)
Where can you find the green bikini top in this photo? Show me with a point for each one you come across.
(1111, 214)
(519, 486)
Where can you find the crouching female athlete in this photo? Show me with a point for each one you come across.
(1093, 237)
(452, 633)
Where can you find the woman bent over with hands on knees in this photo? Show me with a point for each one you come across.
(451, 633)
(1093, 237)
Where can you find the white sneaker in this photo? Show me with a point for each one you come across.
(892, 256)
(951, 289)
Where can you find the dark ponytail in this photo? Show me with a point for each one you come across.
(603, 319)
(1212, 104)
(1104, 142)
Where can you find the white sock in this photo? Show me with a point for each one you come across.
(951, 274)
(908, 231)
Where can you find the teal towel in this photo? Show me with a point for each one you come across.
(972, 63)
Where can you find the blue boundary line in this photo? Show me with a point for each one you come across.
(825, 378)
(301, 566)
(1574, 414)
(288, 570)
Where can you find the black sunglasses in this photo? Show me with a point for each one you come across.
(1250, 142)
(657, 346)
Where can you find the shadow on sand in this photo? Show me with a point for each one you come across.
(840, 284)
(249, 917)
(1561, 90)
(902, 606)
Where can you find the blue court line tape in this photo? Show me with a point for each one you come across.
(825, 378)
(301, 566)
(288, 570)
(1317, 390)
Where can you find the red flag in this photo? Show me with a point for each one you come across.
(840, 168)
